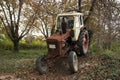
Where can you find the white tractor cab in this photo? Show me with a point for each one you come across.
(73, 21)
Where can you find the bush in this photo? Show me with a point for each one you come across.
(113, 51)
(6, 44)
(35, 44)
(93, 48)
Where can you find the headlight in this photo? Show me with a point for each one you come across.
(52, 46)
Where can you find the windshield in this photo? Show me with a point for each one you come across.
(67, 20)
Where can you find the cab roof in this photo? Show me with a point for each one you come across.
(70, 14)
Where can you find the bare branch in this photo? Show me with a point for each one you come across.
(5, 14)
(19, 11)
(7, 30)
(90, 11)
(27, 30)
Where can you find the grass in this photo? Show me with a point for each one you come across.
(11, 61)
(108, 68)
(114, 51)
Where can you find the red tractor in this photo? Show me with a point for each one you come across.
(70, 39)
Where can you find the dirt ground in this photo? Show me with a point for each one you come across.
(91, 67)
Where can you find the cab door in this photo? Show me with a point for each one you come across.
(77, 27)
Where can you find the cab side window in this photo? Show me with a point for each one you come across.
(81, 22)
(70, 24)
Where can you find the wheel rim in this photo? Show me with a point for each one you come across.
(75, 62)
(85, 43)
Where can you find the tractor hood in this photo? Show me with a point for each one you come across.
(59, 37)
(55, 43)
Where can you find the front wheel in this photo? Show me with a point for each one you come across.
(41, 65)
(73, 61)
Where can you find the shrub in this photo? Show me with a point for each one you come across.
(35, 44)
(6, 44)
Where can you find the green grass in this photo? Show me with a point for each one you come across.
(114, 51)
(108, 62)
(12, 61)
(111, 53)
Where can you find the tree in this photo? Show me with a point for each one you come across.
(104, 21)
(16, 20)
(110, 21)
(1, 32)
(47, 10)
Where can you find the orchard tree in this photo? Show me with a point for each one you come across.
(17, 19)
(110, 15)
(104, 21)
(46, 12)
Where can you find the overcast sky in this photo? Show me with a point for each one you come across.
(118, 0)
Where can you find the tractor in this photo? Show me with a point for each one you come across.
(70, 39)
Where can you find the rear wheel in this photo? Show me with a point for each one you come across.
(73, 61)
(41, 65)
(83, 41)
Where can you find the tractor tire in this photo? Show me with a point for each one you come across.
(73, 61)
(41, 65)
(83, 42)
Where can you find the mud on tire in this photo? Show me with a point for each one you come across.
(41, 65)
(73, 61)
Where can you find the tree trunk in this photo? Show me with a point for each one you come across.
(53, 30)
(79, 5)
(16, 45)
